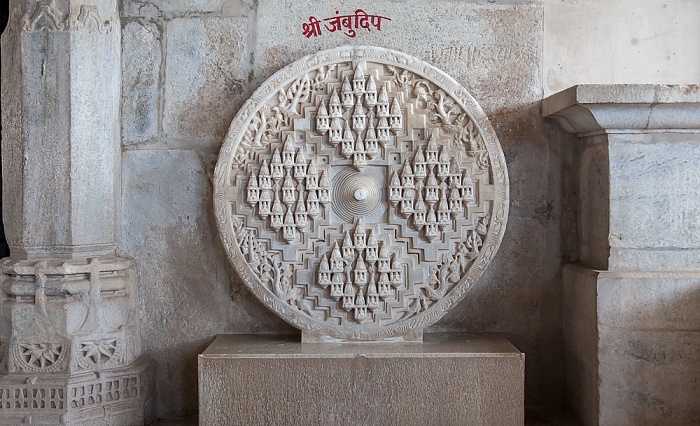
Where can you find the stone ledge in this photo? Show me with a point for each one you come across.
(447, 379)
(614, 108)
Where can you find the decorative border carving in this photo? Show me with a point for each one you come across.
(45, 17)
(88, 20)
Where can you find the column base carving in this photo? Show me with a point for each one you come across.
(70, 345)
(118, 396)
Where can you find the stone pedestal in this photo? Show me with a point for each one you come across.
(631, 321)
(448, 379)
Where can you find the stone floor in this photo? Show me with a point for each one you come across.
(533, 419)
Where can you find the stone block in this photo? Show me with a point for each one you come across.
(585, 32)
(639, 200)
(141, 66)
(650, 377)
(206, 76)
(632, 342)
(638, 189)
(447, 380)
(654, 201)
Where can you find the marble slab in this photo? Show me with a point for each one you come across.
(276, 380)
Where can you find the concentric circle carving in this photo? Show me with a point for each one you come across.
(360, 193)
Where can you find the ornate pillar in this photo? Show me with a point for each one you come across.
(631, 304)
(69, 331)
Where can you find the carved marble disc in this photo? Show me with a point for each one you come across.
(360, 193)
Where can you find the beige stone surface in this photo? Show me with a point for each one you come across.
(447, 380)
(469, 40)
(620, 42)
(188, 291)
(141, 81)
(632, 341)
(581, 343)
(206, 71)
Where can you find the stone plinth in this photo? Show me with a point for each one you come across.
(276, 380)
(631, 306)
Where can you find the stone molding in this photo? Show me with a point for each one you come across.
(627, 108)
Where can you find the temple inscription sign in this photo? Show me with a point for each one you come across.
(360, 193)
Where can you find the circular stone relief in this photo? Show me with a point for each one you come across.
(360, 193)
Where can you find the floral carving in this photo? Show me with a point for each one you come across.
(40, 357)
(97, 352)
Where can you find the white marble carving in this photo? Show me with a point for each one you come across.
(360, 193)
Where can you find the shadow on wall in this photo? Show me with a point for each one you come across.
(4, 249)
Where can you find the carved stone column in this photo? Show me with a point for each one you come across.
(69, 331)
(631, 304)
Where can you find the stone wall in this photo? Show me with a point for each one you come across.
(620, 42)
(188, 66)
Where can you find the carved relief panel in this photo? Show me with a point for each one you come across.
(360, 193)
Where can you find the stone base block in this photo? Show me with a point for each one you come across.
(632, 342)
(119, 396)
(449, 379)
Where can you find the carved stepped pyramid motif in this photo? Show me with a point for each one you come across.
(360, 193)
(362, 274)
